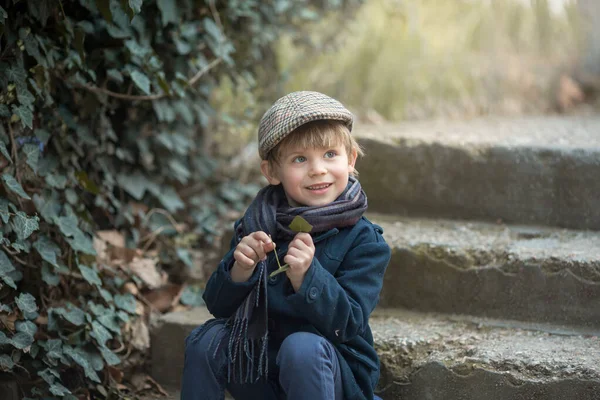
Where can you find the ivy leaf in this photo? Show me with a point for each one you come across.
(80, 242)
(16, 74)
(56, 181)
(4, 111)
(25, 115)
(54, 348)
(81, 358)
(299, 224)
(11, 183)
(135, 185)
(26, 303)
(192, 296)
(168, 11)
(22, 340)
(5, 152)
(24, 95)
(6, 268)
(4, 210)
(6, 363)
(58, 390)
(115, 75)
(48, 205)
(104, 8)
(141, 81)
(100, 333)
(125, 302)
(90, 275)
(135, 6)
(26, 327)
(48, 249)
(73, 314)
(110, 357)
(3, 339)
(49, 276)
(25, 226)
(3, 14)
(32, 152)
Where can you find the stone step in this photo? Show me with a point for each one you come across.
(430, 357)
(516, 272)
(427, 356)
(533, 170)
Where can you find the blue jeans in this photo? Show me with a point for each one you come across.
(307, 368)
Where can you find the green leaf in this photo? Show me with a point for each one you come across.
(6, 268)
(54, 348)
(125, 302)
(168, 11)
(86, 183)
(16, 74)
(25, 115)
(100, 333)
(32, 152)
(135, 5)
(90, 275)
(110, 357)
(5, 152)
(26, 303)
(192, 296)
(4, 214)
(47, 248)
(56, 181)
(104, 8)
(83, 359)
(141, 81)
(299, 224)
(25, 226)
(48, 205)
(4, 111)
(11, 183)
(6, 363)
(68, 225)
(135, 185)
(3, 339)
(184, 255)
(24, 95)
(26, 327)
(73, 314)
(22, 340)
(81, 242)
(58, 390)
(3, 14)
(49, 276)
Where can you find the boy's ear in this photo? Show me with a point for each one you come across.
(267, 173)
(352, 160)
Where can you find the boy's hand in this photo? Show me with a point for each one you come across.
(252, 249)
(299, 257)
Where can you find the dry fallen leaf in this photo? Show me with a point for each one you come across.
(140, 335)
(162, 298)
(145, 269)
(112, 237)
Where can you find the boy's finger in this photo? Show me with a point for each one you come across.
(261, 236)
(243, 259)
(249, 251)
(305, 238)
(257, 247)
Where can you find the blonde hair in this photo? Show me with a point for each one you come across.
(318, 134)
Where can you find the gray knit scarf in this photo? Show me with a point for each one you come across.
(271, 213)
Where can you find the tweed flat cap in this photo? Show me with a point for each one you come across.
(296, 109)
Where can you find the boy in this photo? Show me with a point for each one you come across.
(304, 334)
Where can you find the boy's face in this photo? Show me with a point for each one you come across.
(311, 177)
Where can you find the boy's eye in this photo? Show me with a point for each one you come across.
(330, 154)
(299, 159)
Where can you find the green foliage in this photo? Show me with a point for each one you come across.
(425, 58)
(104, 108)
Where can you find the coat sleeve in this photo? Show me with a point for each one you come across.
(339, 306)
(222, 295)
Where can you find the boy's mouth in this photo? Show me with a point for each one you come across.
(320, 186)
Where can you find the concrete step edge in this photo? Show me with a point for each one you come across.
(525, 273)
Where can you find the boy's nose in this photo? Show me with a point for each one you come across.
(317, 168)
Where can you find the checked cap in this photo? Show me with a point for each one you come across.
(293, 110)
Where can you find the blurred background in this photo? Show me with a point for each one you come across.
(392, 60)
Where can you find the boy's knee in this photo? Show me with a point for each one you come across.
(301, 349)
(202, 341)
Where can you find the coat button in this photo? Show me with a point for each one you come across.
(312, 293)
(273, 279)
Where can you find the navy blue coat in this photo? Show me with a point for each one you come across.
(340, 290)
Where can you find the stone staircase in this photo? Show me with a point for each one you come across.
(493, 290)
